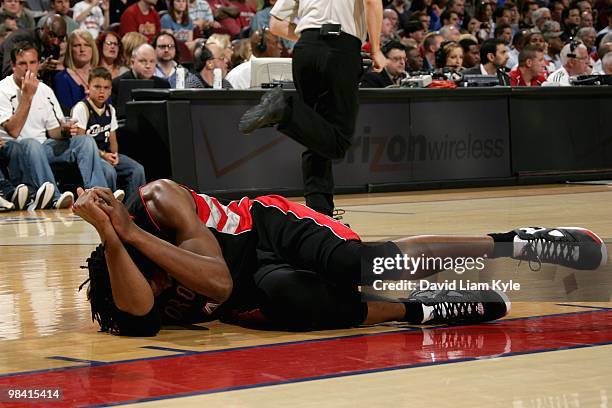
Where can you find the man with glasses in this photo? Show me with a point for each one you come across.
(168, 67)
(207, 58)
(575, 59)
(46, 39)
(394, 71)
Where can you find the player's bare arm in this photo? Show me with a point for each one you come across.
(196, 261)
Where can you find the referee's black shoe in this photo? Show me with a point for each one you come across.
(269, 112)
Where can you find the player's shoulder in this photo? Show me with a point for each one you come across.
(169, 201)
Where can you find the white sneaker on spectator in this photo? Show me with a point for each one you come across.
(43, 197)
(65, 200)
(5, 205)
(119, 195)
(20, 196)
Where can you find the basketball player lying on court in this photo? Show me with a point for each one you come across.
(179, 257)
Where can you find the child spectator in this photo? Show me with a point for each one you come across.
(97, 118)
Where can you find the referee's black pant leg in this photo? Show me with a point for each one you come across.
(326, 73)
(301, 300)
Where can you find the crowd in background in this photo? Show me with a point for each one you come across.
(523, 42)
(53, 52)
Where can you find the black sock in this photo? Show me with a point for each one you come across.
(414, 312)
(503, 244)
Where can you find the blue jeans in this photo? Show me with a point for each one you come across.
(11, 161)
(81, 150)
(130, 173)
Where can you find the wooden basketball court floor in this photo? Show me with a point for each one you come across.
(544, 354)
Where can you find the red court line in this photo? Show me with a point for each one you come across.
(285, 363)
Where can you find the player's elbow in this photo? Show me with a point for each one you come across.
(225, 288)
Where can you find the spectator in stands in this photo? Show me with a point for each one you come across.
(587, 36)
(584, 6)
(268, 47)
(414, 61)
(394, 71)
(177, 21)
(603, 50)
(224, 42)
(518, 42)
(493, 57)
(529, 7)
(552, 36)
(109, 50)
(393, 17)
(206, 59)
(586, 19)
(571, 21)
(261, 19)
(556, 10)
(608, 28)
(515, 16)
(501, 15)
(71, 85)
(450, 56)
(450, 33)
(227, 14)
(62, 8)
(92, 15)
(129, 42)
(415, 30)
(471, 25)
(5, 31)
(401, 9)
(503, 32)
(471, 53)
(450, 17)
(540, 16)
(246, 16)
(23, 17)
(387, 33)
(14, 193)
(168, 67)
(530, 70)
(29, 118)
(242, 51)
(575, 60)
(422, 18)
(606, 63)
(202, 16)
(431, 45)
(95, 117)
(457, 6)
(47, 39)
(536, 38)
(142, 66)
(142, 18)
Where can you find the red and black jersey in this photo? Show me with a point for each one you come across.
(264, 230)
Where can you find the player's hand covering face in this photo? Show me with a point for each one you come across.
(87, 207)
(117, 213)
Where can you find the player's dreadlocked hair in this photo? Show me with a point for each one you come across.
(100, 297)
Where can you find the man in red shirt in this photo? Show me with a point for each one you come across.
(530, 71)
(141, 18)
(228, 15)
(246, 13)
